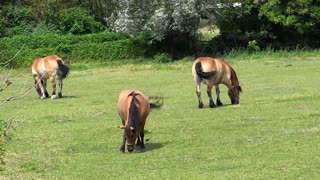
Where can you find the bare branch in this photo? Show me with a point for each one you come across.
(24, 92)
(6, 82)
(10, 125)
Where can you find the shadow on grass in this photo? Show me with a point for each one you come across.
(66, 97)
(223, 106)
(150, 147)
(153, 146)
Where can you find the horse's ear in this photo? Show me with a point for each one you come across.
(121, 126)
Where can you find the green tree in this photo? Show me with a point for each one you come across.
(77, 21)
(299, 17)
(302, 15)
(262, 24)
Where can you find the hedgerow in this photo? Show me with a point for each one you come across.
(99, 47)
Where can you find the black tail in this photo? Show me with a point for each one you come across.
(155, 101)
(64, 69)
(200, 73)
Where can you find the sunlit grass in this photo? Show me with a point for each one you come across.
(272, 134)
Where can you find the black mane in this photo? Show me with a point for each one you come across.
(134, 120)
(234, 79)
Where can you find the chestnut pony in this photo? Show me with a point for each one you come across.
(133, 108)
(49, 67)
(213, 72)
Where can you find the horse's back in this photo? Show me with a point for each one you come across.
(212, 69)
(124, 102)
(46, 66)
(209, 64)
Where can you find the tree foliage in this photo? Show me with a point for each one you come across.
(171, 25)
(302, 15)
(42, 16)
(262, 24)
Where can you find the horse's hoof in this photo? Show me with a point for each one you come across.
(219, 104)
(54, 97)
(213, 106)
(43, 97)
(201, 106)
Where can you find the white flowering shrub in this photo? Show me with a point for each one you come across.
(156, 18)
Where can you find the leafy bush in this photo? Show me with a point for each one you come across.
(162, 58)
(50, 17)
(253, 46)
(15, 21)
(104, 46)
(77, 21)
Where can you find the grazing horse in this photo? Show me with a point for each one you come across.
(213, 72)
(133, 108)
(49, 67)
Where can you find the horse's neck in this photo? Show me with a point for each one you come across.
(234, 78)
(133, 119)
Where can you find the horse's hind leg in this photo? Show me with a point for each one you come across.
(44, 84)
(209, 92)
(219, 103)
(37, 87)
(40, 87)
(53, 85)
(198, 92)
(60, 88)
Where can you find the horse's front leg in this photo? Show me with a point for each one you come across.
(219, 103)
(60, 88)
(141, 139)
(209, 92)
(53, 85)
(122, 147)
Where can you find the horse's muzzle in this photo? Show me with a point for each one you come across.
(130, 147)
(235, 101)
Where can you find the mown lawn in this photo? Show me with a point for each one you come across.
(273, 134)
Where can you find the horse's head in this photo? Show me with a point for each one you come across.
(234, 94)
(131, 135)
(236, 89)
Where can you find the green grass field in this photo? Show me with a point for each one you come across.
(273, 133)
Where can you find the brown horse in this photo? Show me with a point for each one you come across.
(49, 67)
(213, 72)
(133, 108)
